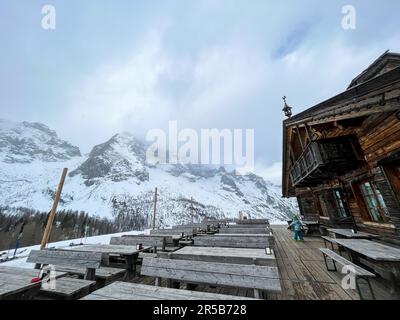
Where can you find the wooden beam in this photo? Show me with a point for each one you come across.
(350, 115)
(53, 211)
(309, 133)
(300, 139)
(292, 155)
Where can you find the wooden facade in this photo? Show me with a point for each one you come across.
(341, 158)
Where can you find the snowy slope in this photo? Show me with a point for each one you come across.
(115, 180)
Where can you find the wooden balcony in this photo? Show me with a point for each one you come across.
(323, 160)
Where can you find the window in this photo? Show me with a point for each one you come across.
(333, 204)
(374, 201)
(340, 204)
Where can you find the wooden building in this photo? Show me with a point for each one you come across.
(341, 158)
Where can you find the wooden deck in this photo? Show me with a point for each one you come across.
(303, 273)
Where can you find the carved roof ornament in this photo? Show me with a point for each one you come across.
(286, 109)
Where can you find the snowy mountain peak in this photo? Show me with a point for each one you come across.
(118, 159)
(24, 142)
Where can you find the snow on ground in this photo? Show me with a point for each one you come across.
(23, 252)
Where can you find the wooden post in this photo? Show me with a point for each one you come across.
(155, 209)
(53, 211)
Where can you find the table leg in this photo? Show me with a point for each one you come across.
(395, 281)
(134, 260)
(354, 257)
(129, 267)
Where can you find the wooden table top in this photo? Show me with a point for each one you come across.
(371, 249)
(134, 291)
(15, 280)
(156, 236)
(225, 255)
(13, 284)
(349, 234)
(109, 248)
(174, 236)
(32, 273)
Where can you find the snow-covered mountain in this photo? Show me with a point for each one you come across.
(26, 142)
(114, 180)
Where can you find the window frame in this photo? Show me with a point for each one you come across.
(341, 203)
(378, 199)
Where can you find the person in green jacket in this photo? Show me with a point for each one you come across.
(297, 224)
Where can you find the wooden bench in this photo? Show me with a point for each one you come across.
(65, 287)
(253, 221)
(154, 241)
(171, 240)
(235, 242)
(183, 243)
(101, 274)
(183, 232)
(328, 240)
(258, 278)
(165, 231)
(359, 272)
(259, 226)
(135, 291)
(143, 255)
(196, 226)
(104, 275)
(245, 230)
(89, 260)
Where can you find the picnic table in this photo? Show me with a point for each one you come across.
(385, 259)
(15, 283)
(349, 234)
(225, 255)
(134, 291)
(174, 235)
(130, 253)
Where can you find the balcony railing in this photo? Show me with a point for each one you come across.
(322, 160)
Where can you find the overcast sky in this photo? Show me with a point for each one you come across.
(112, 66)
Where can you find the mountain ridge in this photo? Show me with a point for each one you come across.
(114, 180)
